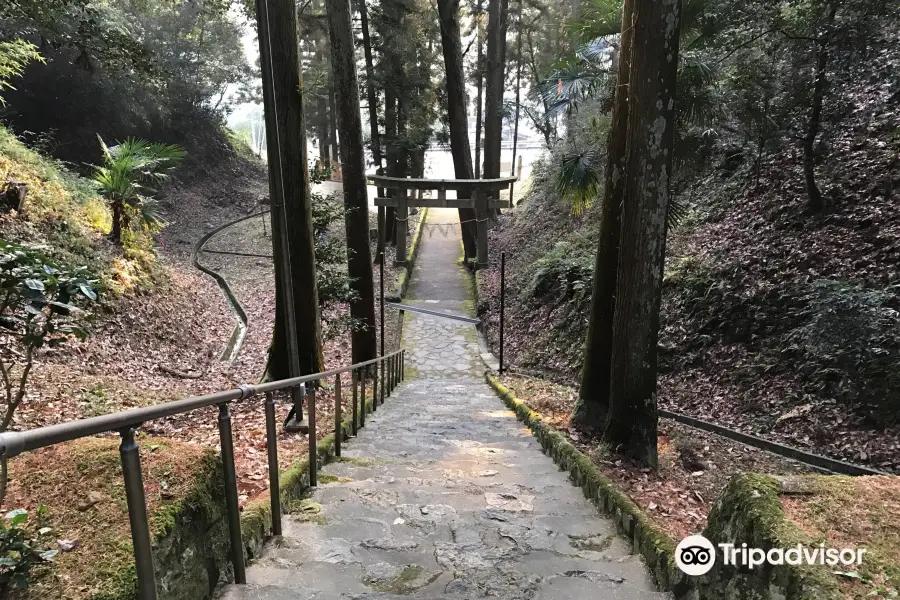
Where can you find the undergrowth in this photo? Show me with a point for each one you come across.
(64, 212)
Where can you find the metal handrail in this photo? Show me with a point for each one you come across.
(13, 443)
(392, 372)
(435, 313)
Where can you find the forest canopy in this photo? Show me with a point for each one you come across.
(166, 71)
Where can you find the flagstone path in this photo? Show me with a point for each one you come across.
(445, 494)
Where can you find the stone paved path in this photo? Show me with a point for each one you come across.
(437, 347)
(445, 495)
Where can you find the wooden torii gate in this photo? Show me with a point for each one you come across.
(482, 197)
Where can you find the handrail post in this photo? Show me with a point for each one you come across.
(375, 387)
(385, 378)
(363, 409)
(381, 295)
(338, 428)
(393, 371)
(313, 450)
(231, 494)
(137, 515)
(353, 382)
(272, 448)
(403, 364)
(502, 304)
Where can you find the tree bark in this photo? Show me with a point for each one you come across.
(632, 419)
(118, 209)
(493, 104)
(816, 201)
(283, 360)
(592, 406)
(332, 123)
(456, 112)
(371, 94)
(390, 139)
(288, 86)
(403, 158)
(353, 167)
(321, 120)
(515, 150)
(372, 97)
(479, 102)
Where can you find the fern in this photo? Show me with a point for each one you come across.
(14, 56)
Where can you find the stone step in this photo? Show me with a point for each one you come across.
(445, 495)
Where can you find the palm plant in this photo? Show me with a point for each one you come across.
(129, 177)
(589, 73)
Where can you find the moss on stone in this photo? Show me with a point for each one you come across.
(411, 578)
(307, 510)
(359, 462)
(749, 511)
(256, 519)
(470, 305)
(590, 542)
(186, 521)
(326, 478)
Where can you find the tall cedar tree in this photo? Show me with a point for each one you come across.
(498, 11)
(632, 419)
(288, 93)
(456, 111)
(284, 353)
(479, 99)
(816, 201)
(372, 97)
(356, 200)
(593, 397)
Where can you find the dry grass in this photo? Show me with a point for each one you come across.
(856, 512)
(64, 477)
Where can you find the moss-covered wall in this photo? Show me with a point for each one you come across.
(256, 519)
(749, 511)
(191, 550)
(191, 543)
(402, 283)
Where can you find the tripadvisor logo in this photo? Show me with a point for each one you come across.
(696, 555)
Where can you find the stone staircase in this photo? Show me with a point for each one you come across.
(445, 495)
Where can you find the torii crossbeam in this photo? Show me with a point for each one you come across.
(481, 194)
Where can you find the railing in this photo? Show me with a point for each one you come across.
(391, 366)
(403, 308)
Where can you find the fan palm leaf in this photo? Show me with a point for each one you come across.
(578, 179)
(130, 174)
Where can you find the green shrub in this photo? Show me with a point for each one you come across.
(332, 278)
(13, 58)
(567, 269)
(849, 347)
(22, 547)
